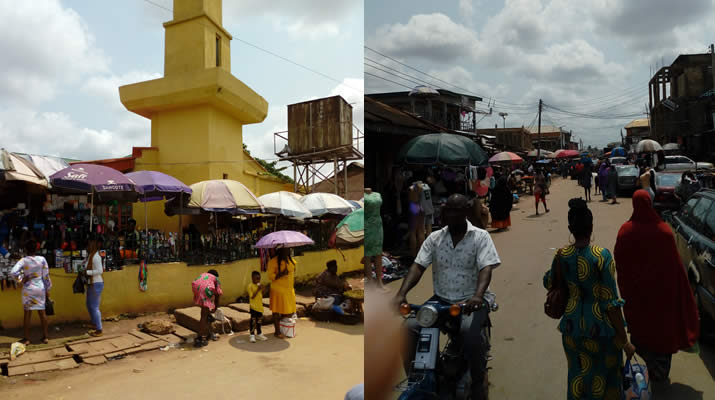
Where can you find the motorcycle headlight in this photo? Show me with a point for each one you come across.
(427, 316)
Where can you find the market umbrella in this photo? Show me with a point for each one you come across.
(543, 161)
(107, 183)
(284, 239)
(423, 91)
(444, 149)
(351, 230)
(618, 152)
(223, 195)
(648, 146)
(567, 154)
(284, 203)
(671, 146)
(506, 156)
(153, 186)
(326, 203)
(16, 168)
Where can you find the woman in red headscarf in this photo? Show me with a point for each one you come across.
(660, 308)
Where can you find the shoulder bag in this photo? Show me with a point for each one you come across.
(556, 298)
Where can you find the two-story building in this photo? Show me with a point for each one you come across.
(552, 138)
(682, 107)
(637, 130)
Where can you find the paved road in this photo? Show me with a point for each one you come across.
(529, 361)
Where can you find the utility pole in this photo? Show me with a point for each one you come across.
(503, 115)
(712, 62)
(623, 141)
(538, 152)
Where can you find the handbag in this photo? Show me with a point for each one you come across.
(49, 307)
(556, 298)
(78, 285)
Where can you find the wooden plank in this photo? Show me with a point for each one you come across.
(95, 339)
(27, 369)
(141, 335)
(120, 351)
(34, 362)
(47, 366)
(96, 360)
(184, 333)
(170, 338)
(67, 364)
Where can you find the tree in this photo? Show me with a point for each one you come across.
(271, 167)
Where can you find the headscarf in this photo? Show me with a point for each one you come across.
(660, 307)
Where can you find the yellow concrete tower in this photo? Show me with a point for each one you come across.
(198, 108)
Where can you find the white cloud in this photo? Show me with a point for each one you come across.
(426, 36)
(44, 46)
(574, 61)
(107, 86)
(56, 133)
(466, 10)
(314, 19)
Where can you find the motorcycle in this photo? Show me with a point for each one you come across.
(443, 374)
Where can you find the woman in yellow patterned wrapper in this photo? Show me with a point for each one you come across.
(593, 328)
(281, 272)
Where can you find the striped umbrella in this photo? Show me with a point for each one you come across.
(506, 156)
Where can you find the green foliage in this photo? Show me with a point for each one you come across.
(271, 167)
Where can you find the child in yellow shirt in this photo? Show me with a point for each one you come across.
(255, 295)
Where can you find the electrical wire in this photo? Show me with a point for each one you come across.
(341, 83)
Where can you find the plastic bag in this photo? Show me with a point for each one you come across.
(636, 383)
(16, 349)
(287, 326)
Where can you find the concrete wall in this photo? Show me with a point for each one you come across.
(169, 286)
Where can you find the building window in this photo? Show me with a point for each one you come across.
(218, 50)
(225, 176)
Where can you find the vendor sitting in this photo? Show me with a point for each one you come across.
(328, 283)
(131, 240)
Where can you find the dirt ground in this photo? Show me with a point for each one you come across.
(324, 360)
(529, 361)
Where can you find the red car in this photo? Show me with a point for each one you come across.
(665, 184)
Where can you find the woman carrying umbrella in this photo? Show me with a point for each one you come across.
(281, 272)
(501, 204)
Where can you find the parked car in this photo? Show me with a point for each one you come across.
(665, 183)
(627, 177)
(618, 160)
(694, 228)
(682, 163)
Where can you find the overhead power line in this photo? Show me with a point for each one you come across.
(326, 76)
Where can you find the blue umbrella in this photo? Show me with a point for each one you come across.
(618, 152)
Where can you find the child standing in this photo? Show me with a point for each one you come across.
(255, 295)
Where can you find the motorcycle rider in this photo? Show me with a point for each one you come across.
(462, 258)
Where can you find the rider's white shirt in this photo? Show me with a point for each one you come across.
(455, 270)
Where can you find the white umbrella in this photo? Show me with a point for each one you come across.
(284, 203)
(648, 146)
(326, 203)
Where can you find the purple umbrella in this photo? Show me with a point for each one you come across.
(89, 178)
(155, 186)
(283, 239)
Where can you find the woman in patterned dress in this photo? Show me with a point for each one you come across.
(592, 328)
(281, 272)
(207, 290)
(36, 287)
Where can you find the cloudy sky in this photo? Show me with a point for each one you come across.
(586, 57)
(63, 60)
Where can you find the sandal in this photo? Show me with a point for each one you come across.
(24, 341)
(280, 335)
(45, 340)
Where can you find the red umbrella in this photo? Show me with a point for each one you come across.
(568, 154)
